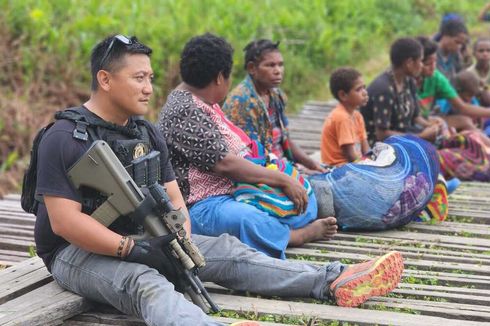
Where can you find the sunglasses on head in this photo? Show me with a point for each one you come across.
(121, 38)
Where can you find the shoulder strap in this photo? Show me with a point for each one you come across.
(82, 119)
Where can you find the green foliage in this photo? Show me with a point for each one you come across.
(32, 251)
(417, 280)
(11, 159)
(316, 36)
(459, 219)
(45, 48)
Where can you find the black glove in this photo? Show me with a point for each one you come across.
(156, 253)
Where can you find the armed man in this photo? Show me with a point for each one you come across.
(109, 261)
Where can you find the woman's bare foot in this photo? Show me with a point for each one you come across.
(320, 229)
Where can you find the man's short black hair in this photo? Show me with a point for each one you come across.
(429, 46)
(203, 58)
(343, 79)
(255, 49)
(453, 28)
(403, 49)
(103, 58)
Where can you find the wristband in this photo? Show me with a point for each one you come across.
(122, 242)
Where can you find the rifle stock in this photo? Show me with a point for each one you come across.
(100, 169)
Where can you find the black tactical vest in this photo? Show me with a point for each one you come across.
(132, 145)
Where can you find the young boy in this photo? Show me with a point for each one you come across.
(344, 137)
(467, 86)
(481, 68)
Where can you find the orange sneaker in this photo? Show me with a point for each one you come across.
(245, 323)
(361, 281)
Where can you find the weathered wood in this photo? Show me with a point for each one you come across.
(446, 280)
(414, 253)
(409, 263)
(49, 304)
(328, 313)
(21, 278)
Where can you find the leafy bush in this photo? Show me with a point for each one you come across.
(45, 45)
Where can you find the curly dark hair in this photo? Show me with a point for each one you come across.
(255, 49)
(108, 54)
(343, 79)
(429, 46)
(403, 49)
(204, 57)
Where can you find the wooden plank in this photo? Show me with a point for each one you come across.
(432, 308)
(451, 228)
(394, 234)
(437, 303)
(17, 232)
(414, 253)
(12, 218)
(474, 216)
(450, 279)
(409, 263)
(12, 196)
(330, 313)
(49, 304)
(92, 318)
(16, 226)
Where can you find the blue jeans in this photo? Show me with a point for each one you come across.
(138, 290)
(223, 214)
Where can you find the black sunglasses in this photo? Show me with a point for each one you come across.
(121, 38)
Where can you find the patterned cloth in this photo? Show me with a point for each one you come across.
(464, 157)
(372, 196)
(198, 137)
(389, 109)
(437, 209)
(246, 109)
(269, 199)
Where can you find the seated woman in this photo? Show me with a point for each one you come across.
(208, 152)
(257, 105)
(393, 106)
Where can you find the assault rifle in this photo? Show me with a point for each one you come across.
(100, 169)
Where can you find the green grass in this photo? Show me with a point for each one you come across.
(383, 307)
(416, 280)
(459, 219)
(32, 251)
(283, 319)
(45, 47)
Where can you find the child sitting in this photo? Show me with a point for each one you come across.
(481, 68)
(467, 86)
(344, 136)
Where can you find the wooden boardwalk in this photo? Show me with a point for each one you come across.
(446, 280)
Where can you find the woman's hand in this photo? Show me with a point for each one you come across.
(430, 133)
(296, 193)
